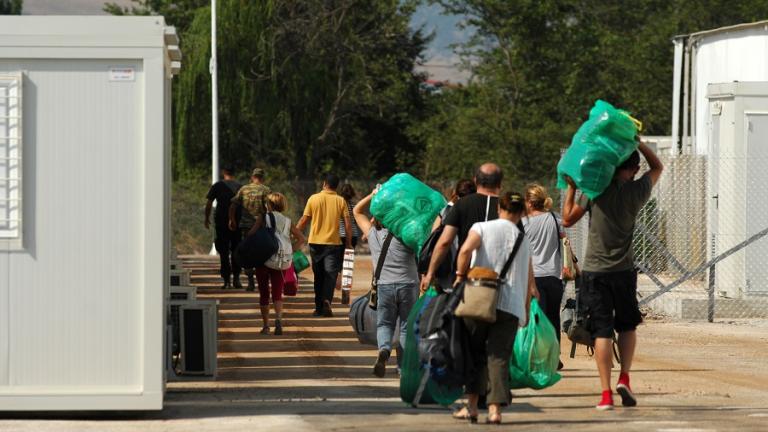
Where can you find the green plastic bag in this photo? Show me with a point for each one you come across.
(300, 261)
(602, 143)
(536, 353)
(411, 370)
(407, 208)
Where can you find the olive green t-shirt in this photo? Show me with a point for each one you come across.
(612, 224)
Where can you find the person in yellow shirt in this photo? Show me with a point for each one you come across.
(325, 210)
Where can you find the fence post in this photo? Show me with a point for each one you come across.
(711, 294)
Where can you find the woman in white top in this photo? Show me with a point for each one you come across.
(543, 228)
(492, 243)
(276, 203)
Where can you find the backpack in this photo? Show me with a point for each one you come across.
(282, 258)
(443, 343)
(257, 248)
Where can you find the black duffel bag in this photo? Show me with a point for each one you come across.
(258, 247)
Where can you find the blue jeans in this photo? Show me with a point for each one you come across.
(395, 301)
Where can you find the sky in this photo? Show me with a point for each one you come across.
(441, 61)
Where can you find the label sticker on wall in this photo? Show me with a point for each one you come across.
(122, 73)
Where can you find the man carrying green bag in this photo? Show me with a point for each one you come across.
(536, 353)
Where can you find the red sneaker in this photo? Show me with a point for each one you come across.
(606, 403)
(627, 397)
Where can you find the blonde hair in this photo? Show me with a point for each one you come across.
(538, 197)
(277, 202)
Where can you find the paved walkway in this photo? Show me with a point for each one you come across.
(317, 377)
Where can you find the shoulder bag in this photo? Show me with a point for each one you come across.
(373, 298)
(480, 296)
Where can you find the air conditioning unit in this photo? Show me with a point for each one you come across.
(180, 277)
(195, 326)
(183, 293)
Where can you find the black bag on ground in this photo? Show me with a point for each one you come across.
(257, 248)
(443, 342)
(364, 320)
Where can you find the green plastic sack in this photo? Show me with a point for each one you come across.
(411, 370)
(602, 143)
(300, 261)
(407, 208)
(536, 353)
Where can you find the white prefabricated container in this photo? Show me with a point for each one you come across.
(738, 154)
(84, 211)
(735, 53)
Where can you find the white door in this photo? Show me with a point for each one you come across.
(756, 272)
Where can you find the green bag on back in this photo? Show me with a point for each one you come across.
(602, 143)
(407, 208)
(536, 353)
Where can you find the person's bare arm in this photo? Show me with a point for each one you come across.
(208, 207)
(654, 163)
(299, 237)
(465, 255)
(438, 254)
(572, 212)
(303, 222)
(348, 229)
(359, 212)
(532, 291)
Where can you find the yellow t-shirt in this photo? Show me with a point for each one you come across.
(326, 209)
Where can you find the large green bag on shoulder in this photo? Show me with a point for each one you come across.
(602, 143)
(411, 370)
(536, 353)
(407, 208)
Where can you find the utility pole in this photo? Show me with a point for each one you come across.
(214, 69)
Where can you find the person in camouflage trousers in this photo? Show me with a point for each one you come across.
(252, 198)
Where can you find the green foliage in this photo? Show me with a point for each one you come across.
(305, 85)
(11, 7)
(539, 66)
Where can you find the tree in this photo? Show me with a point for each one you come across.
(307, 85)
(539, 66)
(11, 7)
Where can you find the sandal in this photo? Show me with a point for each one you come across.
(493, 419)
(464, 414)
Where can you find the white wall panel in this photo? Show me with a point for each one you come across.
(76, 291)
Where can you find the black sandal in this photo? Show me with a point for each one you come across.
(472, 418)
(497, 421)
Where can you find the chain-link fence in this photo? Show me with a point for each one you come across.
(699, 241)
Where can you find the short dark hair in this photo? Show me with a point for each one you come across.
(464, 187)
(631, 163)
(332, 181)
(227, 171)
(489, 179)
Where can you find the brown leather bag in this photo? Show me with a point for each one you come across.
(480, 296)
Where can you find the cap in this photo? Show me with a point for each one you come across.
(257, 172)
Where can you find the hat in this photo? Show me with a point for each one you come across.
(257, 172)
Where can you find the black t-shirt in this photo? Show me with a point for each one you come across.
(470, 210)
(222, 192)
